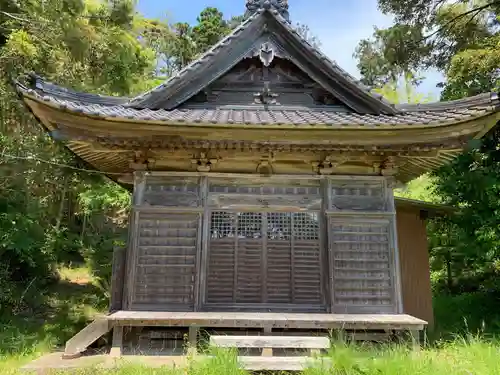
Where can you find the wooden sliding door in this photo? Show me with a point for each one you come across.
(259, 258)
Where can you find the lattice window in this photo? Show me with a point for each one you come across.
(222, 225)
(306, 226)
(278, 226)
(249, 225)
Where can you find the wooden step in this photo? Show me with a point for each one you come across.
(280, 363)
(289, 342)
(79, 342)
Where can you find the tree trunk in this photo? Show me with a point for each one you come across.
(449, 276)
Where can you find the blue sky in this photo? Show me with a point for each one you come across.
(339, 24)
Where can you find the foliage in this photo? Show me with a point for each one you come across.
(471, 184)
(45, 217)
(458, 38)
(421, 188)
(402, 91)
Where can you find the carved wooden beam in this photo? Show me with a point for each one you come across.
(265, 166)
(203, 163)
(142, 161)
(389, 166)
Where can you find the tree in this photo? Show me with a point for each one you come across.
(92, 46)
(210, 29)
(456, 38)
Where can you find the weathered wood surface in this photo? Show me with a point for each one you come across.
(80, 342)
(166, 261)
(117, 343)
(261, 320)
(296, 342)
(117, 279)
(262, 254)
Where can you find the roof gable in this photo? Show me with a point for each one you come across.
(266, 28)
(250, 84)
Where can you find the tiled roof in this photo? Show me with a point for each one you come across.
(429, 114)
(170, 87)
(48, 88)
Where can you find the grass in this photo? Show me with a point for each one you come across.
(464, 343)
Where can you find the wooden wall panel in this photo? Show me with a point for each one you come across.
(362, 266)
(117, 278)
(166, 261)
(414, 263)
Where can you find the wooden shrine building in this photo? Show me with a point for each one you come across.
(262, 177)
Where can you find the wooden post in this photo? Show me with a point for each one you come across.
(117, 279)
(117, 343)
(267, 352)
(193, 340)
(415, 339)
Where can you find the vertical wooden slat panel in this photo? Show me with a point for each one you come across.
(307, 259)
(250, 261)
(414, 262)
(200, 271)
(279, 254)
(398, 298)
(263, 254)
(363, 247)
(205, 236)
(131, 263)
(117, 279)
(327, 204)
(363, 274)
(166, 261)
(221, 263)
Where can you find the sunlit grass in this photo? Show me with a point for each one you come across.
(76, 274)
(72, 303)
(464, 356)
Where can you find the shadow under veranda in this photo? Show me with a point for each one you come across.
(47, 318)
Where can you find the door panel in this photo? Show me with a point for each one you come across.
(265, 258)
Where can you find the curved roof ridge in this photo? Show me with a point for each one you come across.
(488, 98)
(192, 64)
(45, 87)
(333, 64)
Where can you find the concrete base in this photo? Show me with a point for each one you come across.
(55, 361)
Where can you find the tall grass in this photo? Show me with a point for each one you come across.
(465, 346)
(461, 357)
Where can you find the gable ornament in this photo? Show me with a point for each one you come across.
(280, 5)
(266, 96)
(266, 54)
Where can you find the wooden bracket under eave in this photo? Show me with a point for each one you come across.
(203, 163)
(142, 161)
